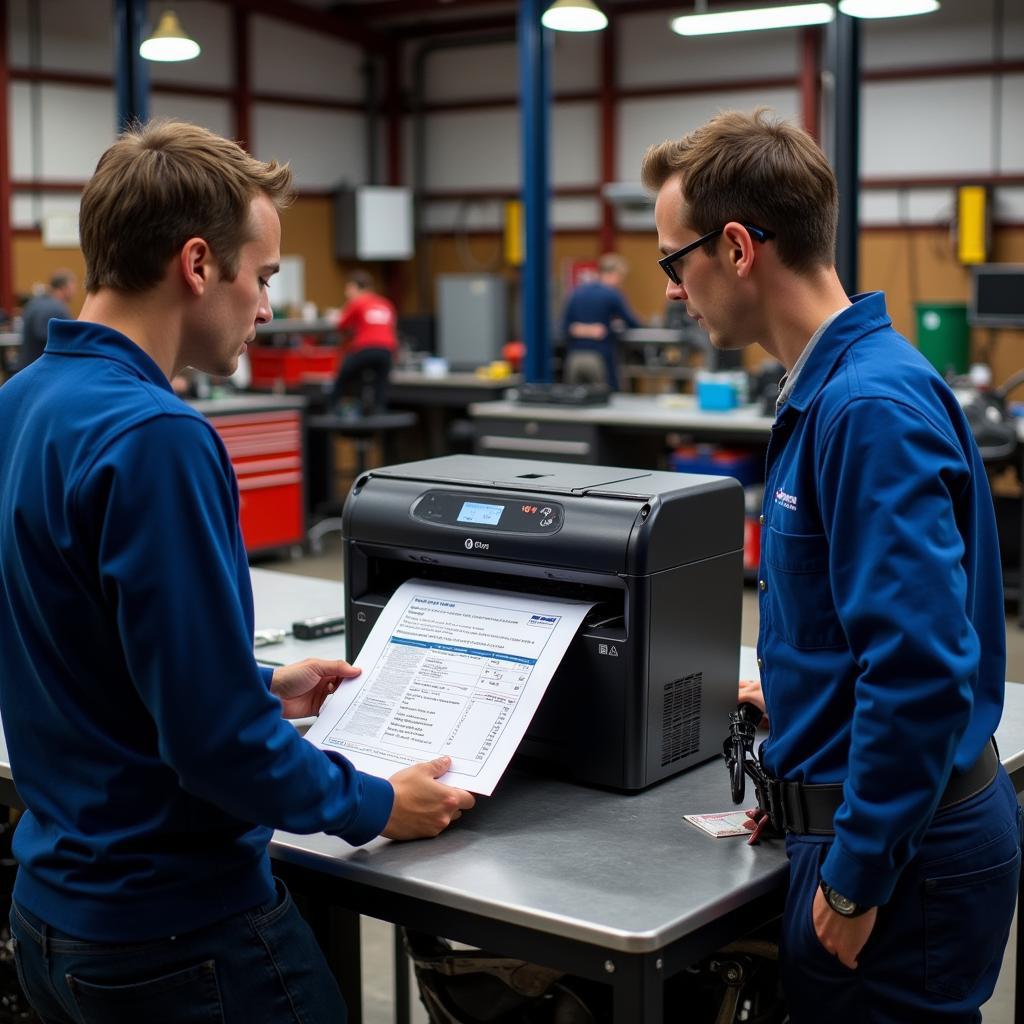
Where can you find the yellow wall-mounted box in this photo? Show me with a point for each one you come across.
(972, 224)
(515, 237)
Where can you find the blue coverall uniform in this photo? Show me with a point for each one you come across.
(595, 302)
(151, 755)
(882, 658)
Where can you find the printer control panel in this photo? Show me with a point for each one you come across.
(519, 514)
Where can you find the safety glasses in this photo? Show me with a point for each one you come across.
(667, 263)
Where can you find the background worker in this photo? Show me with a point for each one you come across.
(368, 324)
(40, 310)
(594, 314)
(881, 646)
(150, 748)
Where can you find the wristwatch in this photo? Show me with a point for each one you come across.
(841, 904)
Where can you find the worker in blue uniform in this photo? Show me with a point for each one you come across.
(150, 749)
(882, 634)
(594, 315)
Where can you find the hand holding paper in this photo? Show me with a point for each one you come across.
(303, 686)
(423, 806)
(452, 671)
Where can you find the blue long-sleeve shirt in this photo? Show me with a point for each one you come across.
(882, 643)
(595, 302)
(144, 740)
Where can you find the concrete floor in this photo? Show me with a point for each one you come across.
(378, 965)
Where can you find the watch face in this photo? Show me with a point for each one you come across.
(840, 904)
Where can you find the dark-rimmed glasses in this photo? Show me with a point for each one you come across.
(667, 263)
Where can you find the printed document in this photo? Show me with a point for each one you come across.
(448, 670)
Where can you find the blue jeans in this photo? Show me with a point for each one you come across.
(937, 945)
(261, 965)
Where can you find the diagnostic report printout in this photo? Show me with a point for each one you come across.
(448, 670)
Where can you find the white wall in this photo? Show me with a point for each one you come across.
(324, 147)
(951, 127)
(288, 59)
(57, 131)
(957, 127)
(650, 54)
(75, 35)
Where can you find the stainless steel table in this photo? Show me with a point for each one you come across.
(629, 431)
(613, 888)
(321, 325)
(442, 400)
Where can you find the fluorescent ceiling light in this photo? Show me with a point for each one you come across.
(748, 20)
(574, 16)
(169, 41)
(886, 8)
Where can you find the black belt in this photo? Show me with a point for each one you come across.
(807, 809)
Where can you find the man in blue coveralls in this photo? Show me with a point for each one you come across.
(150, 749)
(593, 316)
(882, 634)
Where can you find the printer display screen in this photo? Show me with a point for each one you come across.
(477, 512)
(530, 515)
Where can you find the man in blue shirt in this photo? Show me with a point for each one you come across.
(882, 634)
(594, 314)
(150, 749)
(39, 311)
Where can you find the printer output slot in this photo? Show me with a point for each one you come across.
(599, 618)
(608, 615)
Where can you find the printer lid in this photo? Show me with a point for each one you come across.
(626, 521)
(527, 474)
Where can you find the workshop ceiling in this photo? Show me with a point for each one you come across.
(406, 17)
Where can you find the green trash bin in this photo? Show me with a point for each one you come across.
(944, 336)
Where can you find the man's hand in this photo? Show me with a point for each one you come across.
(595, 332)
(303, 686)
(751, 692)
(757, 822)
(843, 937)
(423, 806)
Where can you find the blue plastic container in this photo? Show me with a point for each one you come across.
(745, 466)
(717, 392)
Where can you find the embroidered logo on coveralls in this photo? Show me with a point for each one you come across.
(787, 501)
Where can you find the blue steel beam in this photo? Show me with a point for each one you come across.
(535, 103)
(131, 77)
(845, 65)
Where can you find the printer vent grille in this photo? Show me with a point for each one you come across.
(680, 721)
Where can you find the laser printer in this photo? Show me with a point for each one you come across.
(646, 686)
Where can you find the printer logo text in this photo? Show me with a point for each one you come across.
(476, 545)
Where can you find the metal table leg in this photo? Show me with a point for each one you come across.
(638, 989)
(402, 995)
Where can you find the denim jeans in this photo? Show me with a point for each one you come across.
(262, 965)
(937, 945)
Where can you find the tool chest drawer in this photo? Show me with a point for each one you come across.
(266, 451)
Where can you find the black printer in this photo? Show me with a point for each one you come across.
(647, 684)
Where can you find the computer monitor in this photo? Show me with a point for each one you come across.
(997, 295)
(416, 332)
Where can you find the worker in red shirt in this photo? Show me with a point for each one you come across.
(367, 324)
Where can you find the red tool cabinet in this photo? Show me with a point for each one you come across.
(266, 451)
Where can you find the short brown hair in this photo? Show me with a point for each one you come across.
(612, 263)
(758, 170)
(361, 279)
(161, 184)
